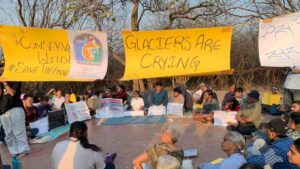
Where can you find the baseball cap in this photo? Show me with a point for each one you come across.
(253, 94)
(278, 126)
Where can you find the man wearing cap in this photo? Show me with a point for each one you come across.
(249, 117)
(276, 155)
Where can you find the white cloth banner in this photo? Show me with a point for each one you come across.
(175, 109)
(279, 42)
(221, 118)
(89, 54)
(42, 124)
(157, 110)
(110, 108)
(78, 111)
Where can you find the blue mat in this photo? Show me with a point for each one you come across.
(51, 135)
(135, 120)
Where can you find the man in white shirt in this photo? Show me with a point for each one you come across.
(57, 100)
(291, 91)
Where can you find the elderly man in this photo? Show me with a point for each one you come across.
(168, 162)
(232, 145)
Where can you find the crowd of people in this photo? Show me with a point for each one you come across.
(248, 143)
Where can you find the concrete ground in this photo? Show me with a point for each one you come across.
(130, 140)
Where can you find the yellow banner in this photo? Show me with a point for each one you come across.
(35, 54)
(167, 53)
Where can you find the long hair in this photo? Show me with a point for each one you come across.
(77, 131)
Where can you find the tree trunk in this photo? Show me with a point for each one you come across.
(137, 84)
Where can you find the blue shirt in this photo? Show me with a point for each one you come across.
(235, 161)
(276, 155)
(160, 98)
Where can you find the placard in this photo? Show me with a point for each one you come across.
(279, 41)
(221, 118)
(175, 109)
(78, 111)
(41, 124)
(157, 110)
(169, 53)
(88, 54)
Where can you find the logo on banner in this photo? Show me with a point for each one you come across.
(88, 49)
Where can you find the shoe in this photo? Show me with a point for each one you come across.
(110, 157)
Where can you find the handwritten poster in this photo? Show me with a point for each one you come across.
(175, 109)
(88, 54)
(78, 111)
(37, 54)
(279, 42)
(110, 108)
(221, 118)
(157, 110)
(179, 52)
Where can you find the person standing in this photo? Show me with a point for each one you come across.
(12, 118)
(291, 90)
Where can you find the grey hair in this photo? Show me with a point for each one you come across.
(237, 138)
(168, 162)
(175, 131)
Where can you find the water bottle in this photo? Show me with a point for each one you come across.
(16, 163)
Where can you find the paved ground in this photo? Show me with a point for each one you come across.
(130, 140)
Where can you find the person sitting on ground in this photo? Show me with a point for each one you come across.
(295, 108)
(249, 117)
(44, 107)
(90, 91)
(238, 94)
(51, 93)
(210, 104)
(294, 126)
(159, 96)
(251, 166)
(294, 153)
(214, 95)
(57, 100)
(107, 94)
(233, 143)
(198, 93)
(67, 100)
(276, 155)
(31, 115)
(168, 162)
(137, 103)
(229, 95)
(272, 107)
(178, 98)
(169, 138)
(121, 93)
(78, 153)
(188, 99)
(232, 105)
